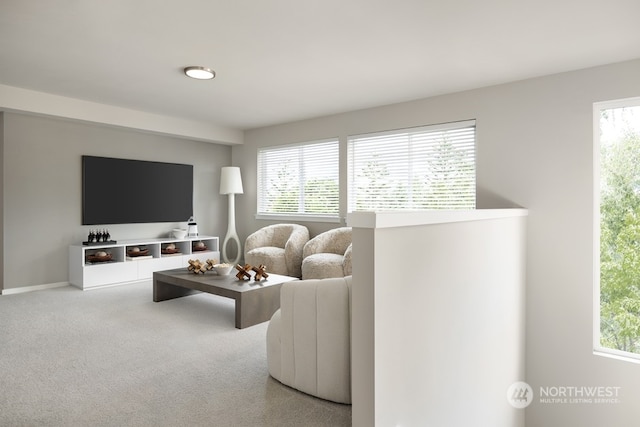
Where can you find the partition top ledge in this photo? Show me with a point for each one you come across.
(370, 219)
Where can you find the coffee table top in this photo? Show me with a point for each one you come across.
(229, 282)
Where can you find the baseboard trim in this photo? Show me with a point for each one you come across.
(33, 288)
(112, 285)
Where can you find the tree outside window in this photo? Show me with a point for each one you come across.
(430, 167)
(620, 229)
(299, 180)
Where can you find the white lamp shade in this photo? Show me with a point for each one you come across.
(230, 180)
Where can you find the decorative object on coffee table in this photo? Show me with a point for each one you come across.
(223, 269)
(261, 272)
(196, 266)
(243, 271)
(231, 184)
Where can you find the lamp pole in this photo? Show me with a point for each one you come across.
(232, 235)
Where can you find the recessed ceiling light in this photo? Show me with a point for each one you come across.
(200, 73)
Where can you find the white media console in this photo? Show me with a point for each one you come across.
(122, 268)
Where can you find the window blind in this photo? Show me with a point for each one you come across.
(430, 167)
(300, 179)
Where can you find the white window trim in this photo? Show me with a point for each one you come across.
(598, 349)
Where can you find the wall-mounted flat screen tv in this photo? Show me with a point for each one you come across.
(122, 191)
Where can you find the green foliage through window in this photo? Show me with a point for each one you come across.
(620, 229)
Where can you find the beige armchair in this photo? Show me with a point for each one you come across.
(279, 247)
(328, 255)
(309, 338)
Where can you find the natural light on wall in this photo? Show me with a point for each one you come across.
(617, 228)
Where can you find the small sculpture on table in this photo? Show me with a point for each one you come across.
(197, 267)
(260, 272)
(243, 271)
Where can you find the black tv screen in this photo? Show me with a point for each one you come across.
(121, 191)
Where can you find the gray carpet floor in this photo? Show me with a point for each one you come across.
(113, 357)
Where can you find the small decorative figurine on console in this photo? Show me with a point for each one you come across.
(197, 267)
(243, 272)
(260, 272)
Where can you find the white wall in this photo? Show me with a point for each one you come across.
(448, 317)
(42, 181)
(534, 150)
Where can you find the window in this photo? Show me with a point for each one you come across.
(617, 229)
(299, 181)
(430, 167)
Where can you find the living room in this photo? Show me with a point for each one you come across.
(534, 150)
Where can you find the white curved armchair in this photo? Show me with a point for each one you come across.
(279, 247)
(328, 255)
(309, 338)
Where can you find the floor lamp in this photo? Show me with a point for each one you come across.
(231, 184)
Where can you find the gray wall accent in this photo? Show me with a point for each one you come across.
(43, 181)
(535, 150)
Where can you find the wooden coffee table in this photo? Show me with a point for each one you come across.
(255, 301)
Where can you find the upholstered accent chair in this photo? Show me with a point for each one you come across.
(328, 255)
(309, 338)
(279, 247)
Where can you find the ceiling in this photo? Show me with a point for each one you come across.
(284, 60)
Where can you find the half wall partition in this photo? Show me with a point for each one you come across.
(438, 320)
